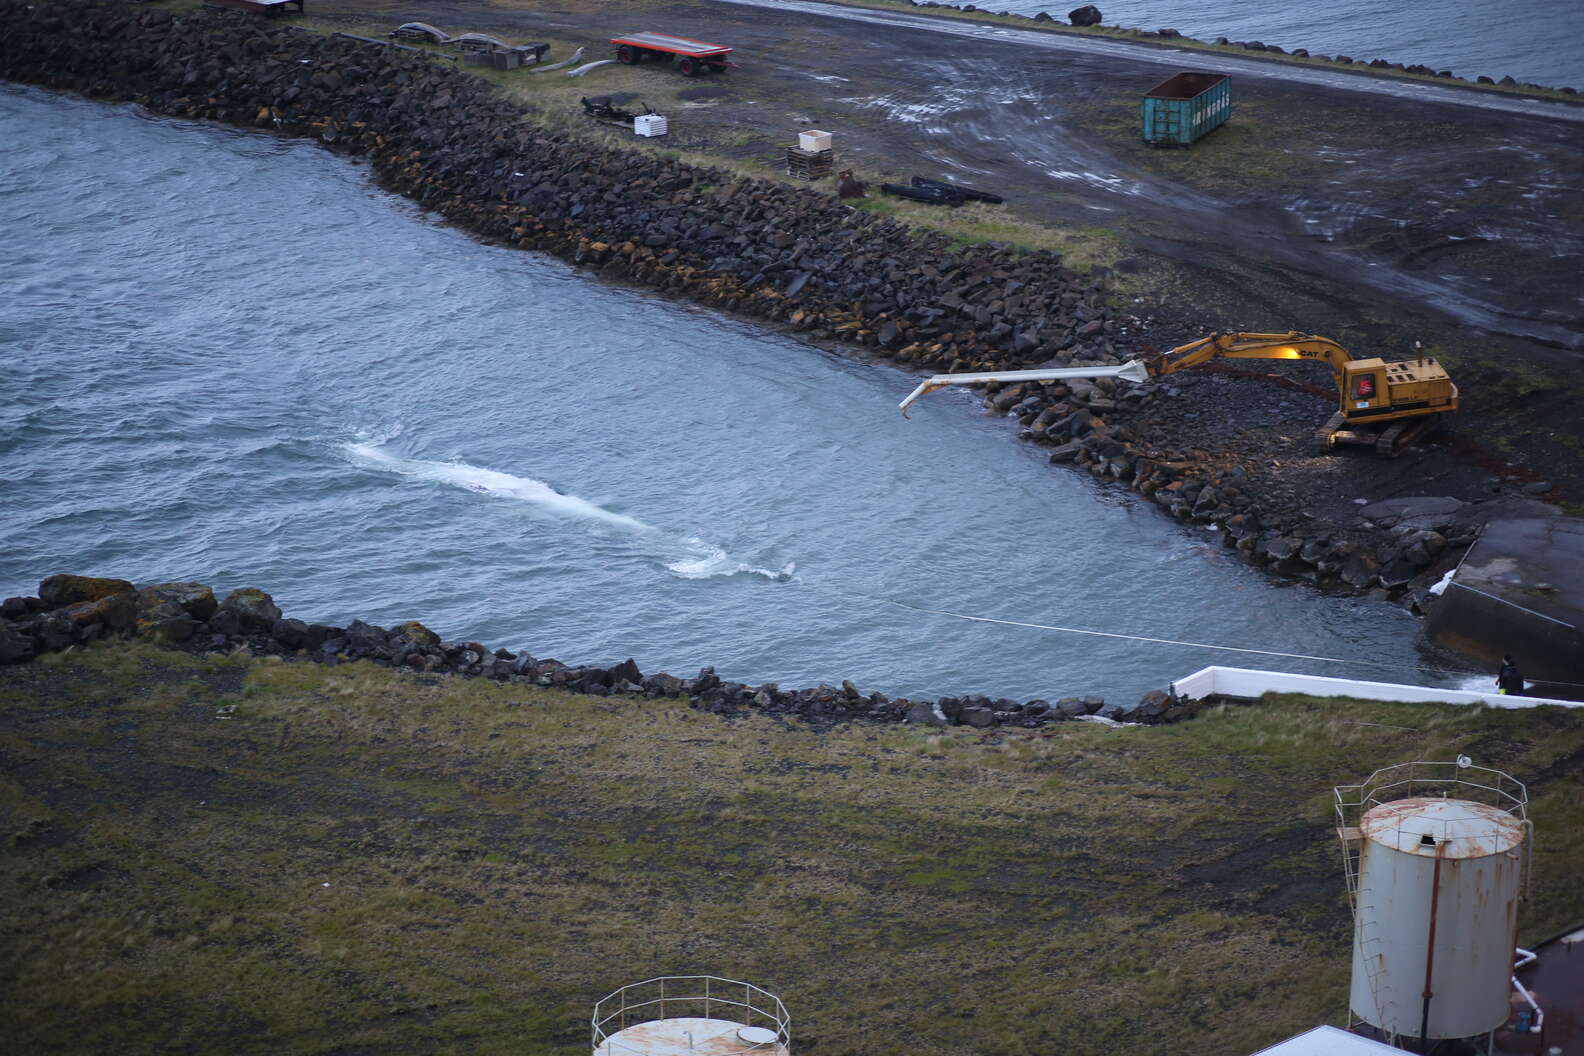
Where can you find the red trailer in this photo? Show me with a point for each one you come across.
(693, 56)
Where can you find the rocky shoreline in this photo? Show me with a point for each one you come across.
(71, 611)
(789, 256)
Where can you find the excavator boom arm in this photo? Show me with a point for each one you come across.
(1132, 370)
(1291, 345)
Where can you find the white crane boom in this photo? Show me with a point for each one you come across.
(1132, 370)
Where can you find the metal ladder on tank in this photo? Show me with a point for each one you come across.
(1369, 945)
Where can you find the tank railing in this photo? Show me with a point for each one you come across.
(1422, 778)
(718, 994)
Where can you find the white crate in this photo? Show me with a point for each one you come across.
(814, 140)
(649, 125)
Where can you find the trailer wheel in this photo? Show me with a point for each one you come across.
(627, 55)
(688, 65)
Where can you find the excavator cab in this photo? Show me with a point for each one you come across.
(1387, 405)
(1364, 388)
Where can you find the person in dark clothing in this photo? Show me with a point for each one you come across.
(1507, 677)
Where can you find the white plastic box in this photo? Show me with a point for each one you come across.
(814, 141)
(649, 125)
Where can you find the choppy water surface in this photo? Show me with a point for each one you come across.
(229, 358)
(1532, 40)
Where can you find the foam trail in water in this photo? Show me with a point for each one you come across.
(706, 560)
(490, 482)
(697, 559)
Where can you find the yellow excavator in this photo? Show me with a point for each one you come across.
(1382, 405)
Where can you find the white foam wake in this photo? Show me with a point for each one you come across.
(707, 560)
(490, 482)
(690, 558)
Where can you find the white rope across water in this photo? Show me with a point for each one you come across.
(1173, 641)
(1137, 637)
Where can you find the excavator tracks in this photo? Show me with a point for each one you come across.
(1322, 436)
(1388, 444)
(1399, 435)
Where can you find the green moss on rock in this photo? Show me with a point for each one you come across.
(418, 634)
(252, 608)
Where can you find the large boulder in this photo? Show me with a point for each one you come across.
(18, 608)
(165, 622)
(117, 612)
(81, 613)
(370, 638)
(197, 600)
(663, 684)
(293, 634)
(1360, 570)
(15, 647)
(245, 610)
(978, 717)
(67, 590)
(1152, 705)
(1282, 547)
(420, 636)
(926, 713)
(1087, 15)
(1070, 707)
(1397, 573)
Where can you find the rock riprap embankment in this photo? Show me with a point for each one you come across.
(1397, 547)
(72, 611)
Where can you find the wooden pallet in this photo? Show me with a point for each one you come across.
(810, 164)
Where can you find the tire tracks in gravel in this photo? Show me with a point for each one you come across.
(1417, 233)
(1177, 58)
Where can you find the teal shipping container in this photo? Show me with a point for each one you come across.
(1185, 106)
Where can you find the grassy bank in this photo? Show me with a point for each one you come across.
(230, 855)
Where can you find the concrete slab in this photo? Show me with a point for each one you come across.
(1250, 684)
(1520, 590)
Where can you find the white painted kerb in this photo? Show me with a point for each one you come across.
(1245, 682)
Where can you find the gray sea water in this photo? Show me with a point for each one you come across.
(1539, 41)
(230, 358)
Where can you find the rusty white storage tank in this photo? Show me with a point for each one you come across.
(691, 1015)
(1435, 857)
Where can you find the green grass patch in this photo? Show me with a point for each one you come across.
(365, 859)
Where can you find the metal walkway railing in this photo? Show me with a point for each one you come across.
(685, 996)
